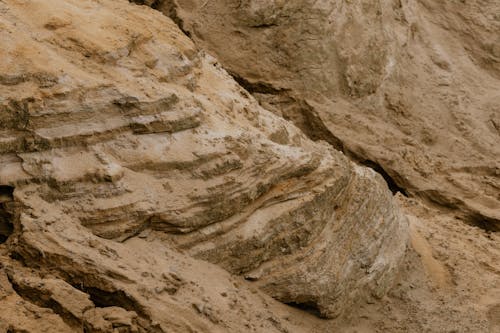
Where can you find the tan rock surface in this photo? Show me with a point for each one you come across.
(123, 145)
(142, 189)
(411, 87)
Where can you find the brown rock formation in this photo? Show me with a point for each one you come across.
(122, 144)
(408, 86)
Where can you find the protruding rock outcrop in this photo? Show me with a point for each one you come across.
(409, 85)
(126, 144)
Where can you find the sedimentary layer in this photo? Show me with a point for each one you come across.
(129, 156)
(408, 87)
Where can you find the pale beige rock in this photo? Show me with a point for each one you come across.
(124, 144)
(411, 86)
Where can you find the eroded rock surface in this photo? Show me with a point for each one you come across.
(122, 144)
(408, 86)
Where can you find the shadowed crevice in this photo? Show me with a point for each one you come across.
(306, 307)
(6, 201)
(391, 183)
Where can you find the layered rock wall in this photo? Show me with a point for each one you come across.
(408, 86)
(122, 144)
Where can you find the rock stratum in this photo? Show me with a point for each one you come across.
(408, 87)
(140, 183)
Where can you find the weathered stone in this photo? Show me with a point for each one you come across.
(410, 87)
(114, 146)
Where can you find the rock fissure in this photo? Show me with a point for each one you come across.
(6, 213)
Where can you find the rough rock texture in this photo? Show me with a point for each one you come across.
(122, 144)
(411, 87)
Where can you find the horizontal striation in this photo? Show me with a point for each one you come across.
(135, 135)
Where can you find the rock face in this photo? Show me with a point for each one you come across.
(122, 144)
(408, 86)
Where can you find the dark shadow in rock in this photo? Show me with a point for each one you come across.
(308, 307)
(391, 183)
(6, 226)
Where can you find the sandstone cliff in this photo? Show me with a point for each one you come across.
(227, 166)
(408, 87)
(122, 144)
